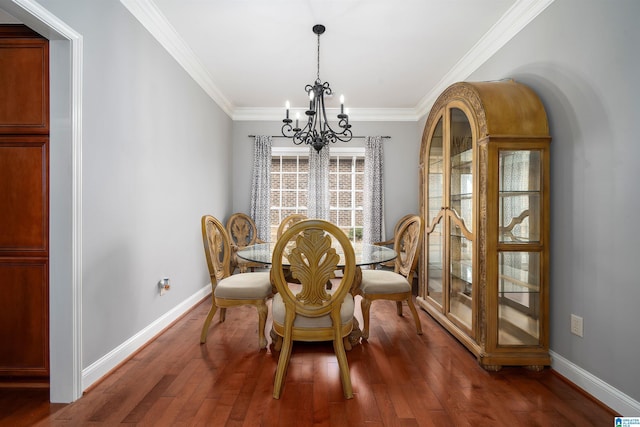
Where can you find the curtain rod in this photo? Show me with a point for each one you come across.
(280, 136)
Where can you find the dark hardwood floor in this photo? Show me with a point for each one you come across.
(399, 379)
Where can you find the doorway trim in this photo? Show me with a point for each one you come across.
(65, 211)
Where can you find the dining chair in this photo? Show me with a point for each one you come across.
(395, 285)
(288, 221)
(308, 311)
(231, 290)
(390, 265)
(243, 232)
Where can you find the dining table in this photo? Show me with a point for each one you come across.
(365, 255)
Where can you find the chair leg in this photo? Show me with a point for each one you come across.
(207, 322)
(262, 321)
(277, 345)
(281, 370)
(347, 343)
(344, 366)
(223, 314)
(399, 308)
(412, 307)
(365, 304)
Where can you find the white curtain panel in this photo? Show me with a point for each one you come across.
(373, 209)
(318, 202)
(261, 186)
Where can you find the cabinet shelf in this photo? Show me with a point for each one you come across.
(461, 196)
(517, 283)
(512, 193)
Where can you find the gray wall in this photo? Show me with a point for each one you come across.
(401, 160)
(581, 57)
(156, 152)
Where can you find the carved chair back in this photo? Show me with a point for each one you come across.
(217, 248)
(408, 240)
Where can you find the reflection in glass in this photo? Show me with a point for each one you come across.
(434, 268)
(436, 177)
(461, 167)
(434, 239)
(461, 203)
(519, 298)
(461, 269)
(520, 196)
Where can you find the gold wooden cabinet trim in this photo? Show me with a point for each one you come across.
(503, 116)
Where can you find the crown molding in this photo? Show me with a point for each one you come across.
(510, 24)
(154, 21)
(355, 114)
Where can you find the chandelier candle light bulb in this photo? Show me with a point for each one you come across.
(317, 131)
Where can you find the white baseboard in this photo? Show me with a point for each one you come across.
(613, 398)
(109, 361)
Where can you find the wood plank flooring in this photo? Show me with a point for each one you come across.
(399, 379)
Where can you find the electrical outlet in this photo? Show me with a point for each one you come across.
(164, 286)
(576, 325)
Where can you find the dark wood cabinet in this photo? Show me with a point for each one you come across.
(24, 203)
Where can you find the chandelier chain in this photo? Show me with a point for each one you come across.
(318, 75)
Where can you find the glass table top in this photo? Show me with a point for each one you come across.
(365, 254)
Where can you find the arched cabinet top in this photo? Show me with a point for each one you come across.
(500, 108)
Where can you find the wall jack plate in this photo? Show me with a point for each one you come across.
(164, 286)
(577, 326)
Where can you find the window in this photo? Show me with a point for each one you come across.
(346, 182)
(289, 187)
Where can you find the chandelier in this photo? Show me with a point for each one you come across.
(317, 132)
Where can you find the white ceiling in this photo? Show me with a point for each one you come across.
(379, 53)
(390, 59)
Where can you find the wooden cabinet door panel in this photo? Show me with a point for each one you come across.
(24, 318)
(23, 195)
(24, 87)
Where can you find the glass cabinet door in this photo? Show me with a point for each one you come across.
(484, 268)
(461, 218)
(519, 258)
(520, 182)
(435, 242)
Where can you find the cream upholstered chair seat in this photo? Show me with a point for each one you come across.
(383, 282)
(346, 314)
(244, 286)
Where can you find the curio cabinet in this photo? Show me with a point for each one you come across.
(484, 268)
